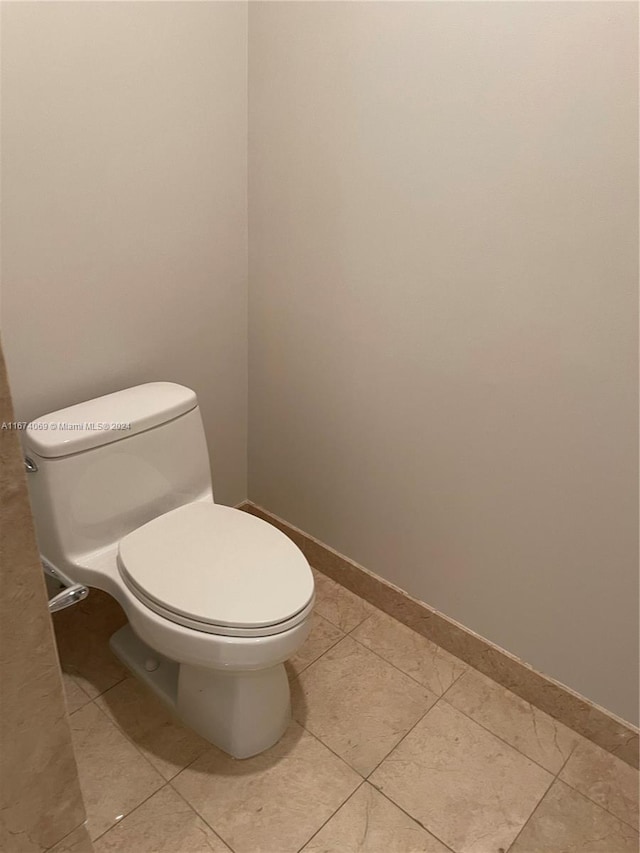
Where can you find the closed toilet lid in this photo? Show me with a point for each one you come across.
(217, 566)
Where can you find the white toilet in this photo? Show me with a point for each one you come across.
(216, 599)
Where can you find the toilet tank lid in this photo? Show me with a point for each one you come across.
(108, 419)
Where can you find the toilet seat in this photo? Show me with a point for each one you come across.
(218, 570)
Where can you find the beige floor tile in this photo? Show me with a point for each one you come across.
(114, 777)
(370, 823)
(274, 802)
(164, 740)
(605, 779)
(413, 654)
(567, 822)
(77, 841)
(323, 635)
(357, 704)
(82, 635)
(340, 606)
(74, 694)
(528, 729)
(468, 788)
(164, 824)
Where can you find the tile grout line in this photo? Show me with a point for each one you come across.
(376, 654)
(303, 540)
(74, 678)
(341, 590)
(311, 734)
(380, 657)
(125, 734)
(599, 805)
(197, 813)
(501, 739)
(375, 787)
(360, 624)
(440, 696)
(405, 735)
(406, 674)
(411, 817)
(168, 782)
(366, 779)
(126, 815)
(350, 633)
(456, 680)
(377, 610)
(67, 836)
(556, 775)
(526, 823)
(200, 815)
(586, 796)
(373, 651)
(468, 668)
(134, 744)
(322, 743)
(111, 686)
(319, 739)
(117, 726)
(346, 633)
(165, 782)
(343, 803)
(555, 779)
(322, 654)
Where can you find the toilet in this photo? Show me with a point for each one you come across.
(216, 599)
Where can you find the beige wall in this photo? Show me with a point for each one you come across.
(40, 799)
(124, 208)
(443, 312)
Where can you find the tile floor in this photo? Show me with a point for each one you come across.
(395, 747)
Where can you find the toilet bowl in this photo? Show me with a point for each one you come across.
(216, 599)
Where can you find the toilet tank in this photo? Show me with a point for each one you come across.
(107, 466)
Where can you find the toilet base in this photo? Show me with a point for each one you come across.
(241, 712)
(141, 659)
